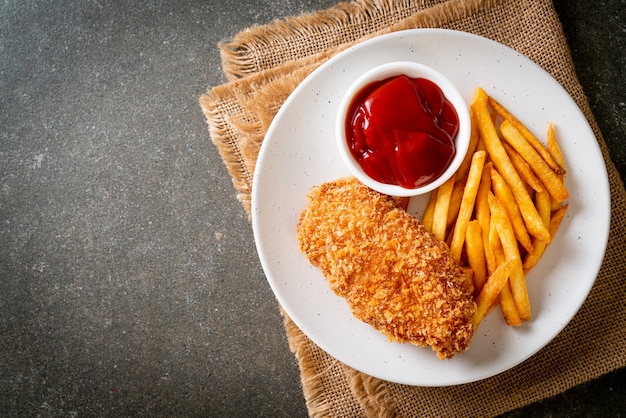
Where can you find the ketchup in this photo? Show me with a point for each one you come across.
(401, 130)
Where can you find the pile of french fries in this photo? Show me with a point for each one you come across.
(501, 209)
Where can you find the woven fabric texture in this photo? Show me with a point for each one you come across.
(265, 63)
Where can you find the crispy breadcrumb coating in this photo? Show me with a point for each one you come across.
(395, 275)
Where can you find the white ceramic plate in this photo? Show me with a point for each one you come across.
(299, 152)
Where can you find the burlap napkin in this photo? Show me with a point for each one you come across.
(266, 63)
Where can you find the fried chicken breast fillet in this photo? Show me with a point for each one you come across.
(395, 275)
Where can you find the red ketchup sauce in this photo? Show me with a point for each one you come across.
(401, 130)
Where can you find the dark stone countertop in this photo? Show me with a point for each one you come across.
(129, 281)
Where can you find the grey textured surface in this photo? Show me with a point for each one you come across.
(129, 281)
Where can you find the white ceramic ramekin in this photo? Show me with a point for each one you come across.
(412, 70)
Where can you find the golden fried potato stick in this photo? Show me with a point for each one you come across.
(542, 202)
(494, 248)
(504, 194)
(440, 218)
(511, 252)
(481, 209)
(463, 169)
(429, 212)
(554, 149)
(507, 304)
(467, 204)
(524, 170)
(503, 163)
(557, 218)
(476, 254)
(490, 291)
(551, 180)
(536, 144)
(554, 219)
(554, 205)
(455, 201)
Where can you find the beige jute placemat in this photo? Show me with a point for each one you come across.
(265, 63)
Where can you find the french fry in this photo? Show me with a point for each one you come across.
(482, 208)
(534, 142)
(554, 204)
(467, 204)
(542, 201)
(504, 194)
(494, 248)
(490, 291)
(476, 254)
(554, 220)
(557, 218)
(554, 149)
(440, 219)
(503, 163)
(463, 169)
(455, 201)
(511, 252)
(549, 178)
(524, 170)
(429, 212)
(507, 304)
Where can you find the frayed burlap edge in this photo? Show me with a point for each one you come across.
(264, 47)
(329, 31)
(237, 124)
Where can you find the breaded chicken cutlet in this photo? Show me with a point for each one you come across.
(395, 275)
